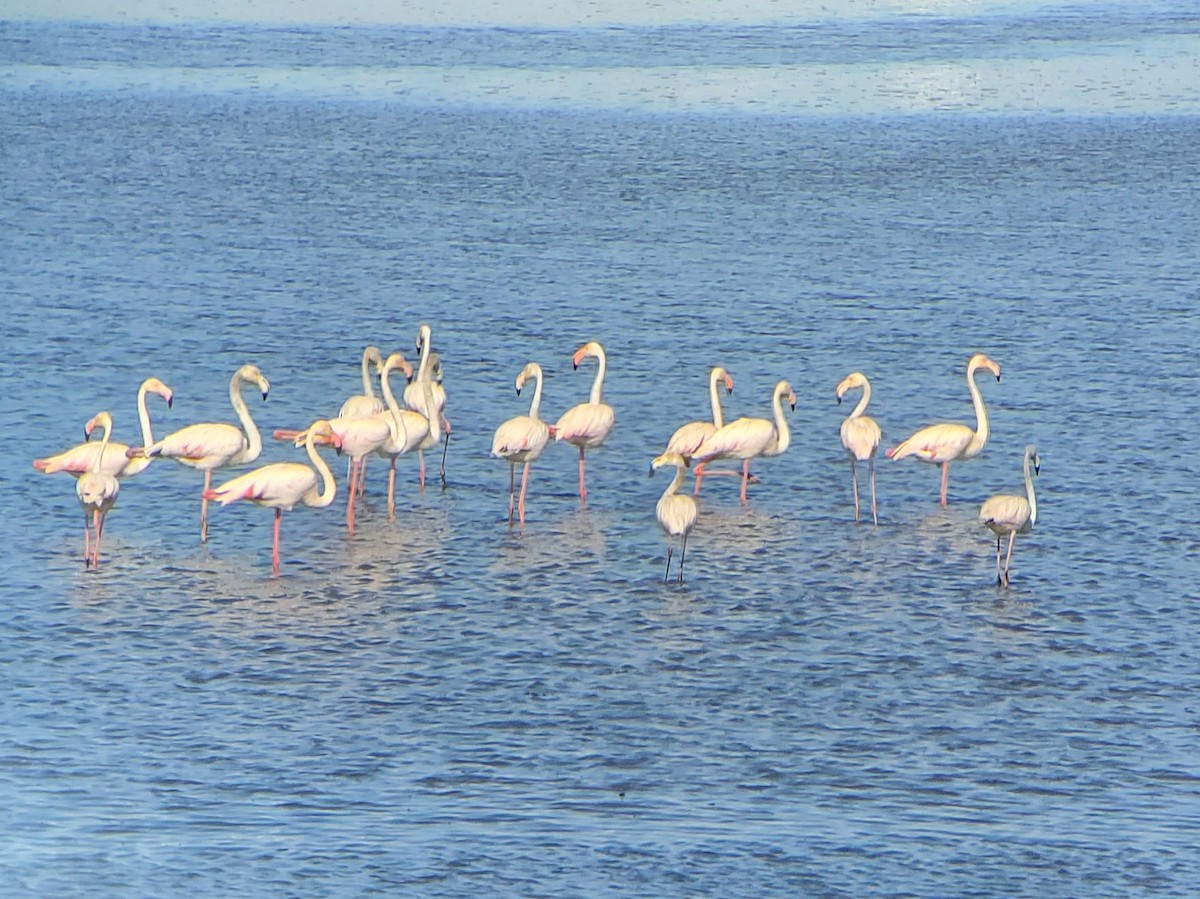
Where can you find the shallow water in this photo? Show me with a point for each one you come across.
(442, 704)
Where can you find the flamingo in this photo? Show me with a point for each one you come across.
(676, 512)
(522, 439)
(587, 424)
(860, 436)
(97, 490)
(211, 445)
(366, 403)
(81, 458)
(428, 368)
(687, 438)
(749, 438)
(945, 443)
(1012, 515)
(408, 429)
(283, 485)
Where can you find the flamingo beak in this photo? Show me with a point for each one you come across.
(170, 400)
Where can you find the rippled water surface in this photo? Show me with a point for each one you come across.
(442, 705)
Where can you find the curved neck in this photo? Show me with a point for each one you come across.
(99, 463)
(862, 403)
(715, 396)
(368, 387)
(783, 434)
(598, 384)
(676, 482)
(328, 485)
(537, 395)
(394, 423)
(435, 419)
(1029, 492)
(144, 417)
(981, 419)
(423, 365)
(253, 438)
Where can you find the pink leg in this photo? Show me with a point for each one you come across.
(87, 540)
(512, 488)
(353, 489)
(1012, 538)
(745, 478)
(524, 484)
(582, 485)
(100, 529)
(945, 480)
(275, 543)
(204, 507)
(874, 512)
(699, 472)
(392, 490)
(854, 481)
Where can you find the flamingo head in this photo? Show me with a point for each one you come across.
(726, 377)
(396, 360)
(852, 380)
(668, 458)
(1031, 453)
(321, 431)
(101, 420)
(980, 360)
(784, 389)
(154, 385)
(423, 334)
(435, 366)
(591, 348)
(251, 373)
(372, 356)
(531, 370)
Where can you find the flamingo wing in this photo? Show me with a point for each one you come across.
(281, 484)
(688, 438)
(521, 439)
(741, 439)
(861, 436)
(936, 443)
(1005, 513)
(587, 424)
(199, 443)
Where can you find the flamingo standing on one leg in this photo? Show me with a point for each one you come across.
(860, 436)
(522, 439)
(408, 428)
(97, 491)
(687, 438)
(749, 438)
(945, 443)
(429, 368)
(676, 512)
(81, 458)
(283, 485)
(587, 424)
(211, 445)
(1012, 515)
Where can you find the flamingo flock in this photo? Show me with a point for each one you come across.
(370, 423)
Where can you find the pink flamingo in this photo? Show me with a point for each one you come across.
(587, 424)
(408, 429)
(97, 491)
(283, 485)
(944, 443)
(749, 438)
(522, 439)
(860, 436)
(211, 445)
(81, 458)
(1012, 515)
(687, 438)
(366, 403)
(429, 369)
(676, 513)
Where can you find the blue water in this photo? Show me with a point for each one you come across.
(442, 705)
